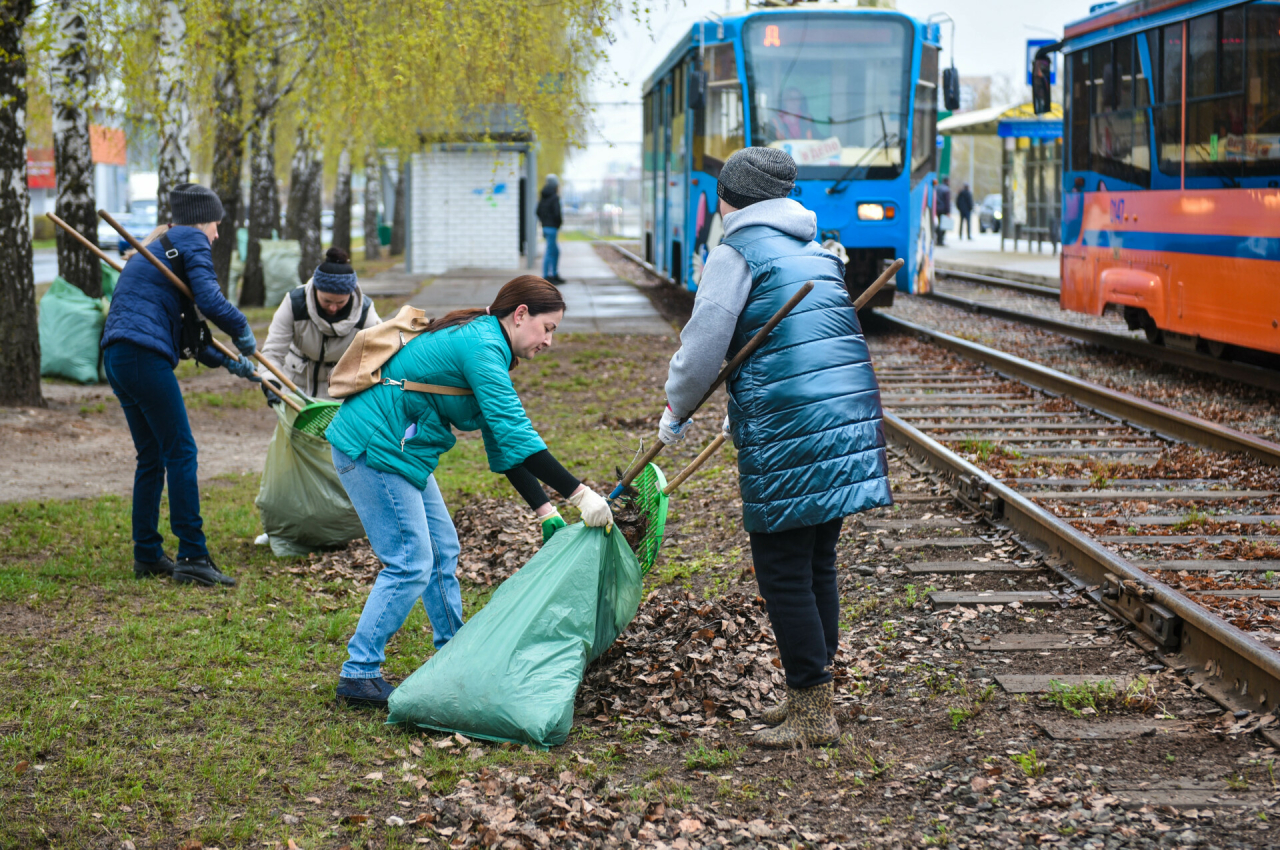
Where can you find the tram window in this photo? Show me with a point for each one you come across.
(1081, 88)
(1103, 76)
(1124, 73)
(1231, 67)
(718, 127)
(924, 132)
(1202, 56)
(1171, 64)
(1263, 67)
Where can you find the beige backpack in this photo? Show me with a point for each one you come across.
(360, 366)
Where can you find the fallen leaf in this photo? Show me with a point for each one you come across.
(689, 826)
(21, 768)
(355, 819)
(376, 775)
(394, 820)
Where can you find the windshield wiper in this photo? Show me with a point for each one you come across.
(881, 144)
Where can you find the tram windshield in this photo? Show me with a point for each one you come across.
(831, 90)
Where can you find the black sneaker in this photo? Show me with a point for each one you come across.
(145, 569)
(370, 693)
(200, 571)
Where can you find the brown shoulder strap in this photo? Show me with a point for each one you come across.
(434, 389)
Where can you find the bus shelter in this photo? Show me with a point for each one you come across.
(1030, 168)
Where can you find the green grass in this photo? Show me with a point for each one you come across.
(1029, 763)
(711, 758)
(162, 714)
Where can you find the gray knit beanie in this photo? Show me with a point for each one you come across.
(756, 174)
(191, 203)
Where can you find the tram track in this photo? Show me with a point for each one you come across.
(1080, 495)
(1112, 522)
(1005, 309)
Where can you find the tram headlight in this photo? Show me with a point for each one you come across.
(872, 212)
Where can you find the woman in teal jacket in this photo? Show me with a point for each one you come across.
(387, 442)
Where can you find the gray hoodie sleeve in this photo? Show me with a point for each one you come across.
(704, 342)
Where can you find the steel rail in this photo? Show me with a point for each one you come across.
(1243, 373)
(627, 255)
(1126, 407)
(1003, 283)
(1230, 663)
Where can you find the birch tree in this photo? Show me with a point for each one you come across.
(19, 338)
(228, 137)
(372, 190)
(72, 154)
(173, 111)
(396, 248)
(264, 197)
(306, 186)
(341, 237)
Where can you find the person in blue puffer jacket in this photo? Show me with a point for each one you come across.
(140, 344)
(804, 414)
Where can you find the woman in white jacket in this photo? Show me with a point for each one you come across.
(316, 322)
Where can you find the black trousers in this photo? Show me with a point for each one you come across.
(796, 572)
(965, 224)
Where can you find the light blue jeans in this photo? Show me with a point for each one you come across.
(411, 533)
(551, 259)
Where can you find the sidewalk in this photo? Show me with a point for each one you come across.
(982, 255)
(596, 300)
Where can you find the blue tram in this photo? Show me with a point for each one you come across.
(851, 94)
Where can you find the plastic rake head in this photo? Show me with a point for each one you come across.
(652, 503)
(315, 417)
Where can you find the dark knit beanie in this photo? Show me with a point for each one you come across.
(335, 274)
(756, 174)
(191, 203)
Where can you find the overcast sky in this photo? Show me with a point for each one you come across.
(989, 39)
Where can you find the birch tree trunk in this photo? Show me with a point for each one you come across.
(264, 199)
(342, 204)
(228, 146)
(72, 157)
(173, 113)
(398, 214)
(19, 338)
(306, 185)
(372, 191)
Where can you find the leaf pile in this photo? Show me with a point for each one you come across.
(684, 660)
(498, 537)
(630, 520)
(509, 810)
(356, 564)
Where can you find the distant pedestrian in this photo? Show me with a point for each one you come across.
(550, 218)
(140, 347)
(964, 208)
(942, 208)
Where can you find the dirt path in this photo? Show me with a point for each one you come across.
(80, 446)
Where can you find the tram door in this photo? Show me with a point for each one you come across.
(677, 162)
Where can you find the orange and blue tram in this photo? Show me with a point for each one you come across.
(1171, 183)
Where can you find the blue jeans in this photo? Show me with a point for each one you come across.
(144, 383)
(411, 533)
(551, 259)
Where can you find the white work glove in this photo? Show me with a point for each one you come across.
(728, 435)
(594, 507)
(671, 429)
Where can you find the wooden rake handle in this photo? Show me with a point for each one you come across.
(879, 283)
(740, 358)
(885, 277)
(182, 287)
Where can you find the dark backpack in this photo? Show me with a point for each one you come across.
(194, 336)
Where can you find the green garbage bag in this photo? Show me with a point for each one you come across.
(109, 279)
(512, 671)
(70, 328)
(280, 258)
(303, 504)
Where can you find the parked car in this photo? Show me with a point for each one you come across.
(139, 221)
(990, 214)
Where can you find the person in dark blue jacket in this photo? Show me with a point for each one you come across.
(140, 344)
(804, 414)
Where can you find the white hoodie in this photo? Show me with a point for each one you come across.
(722, 293)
